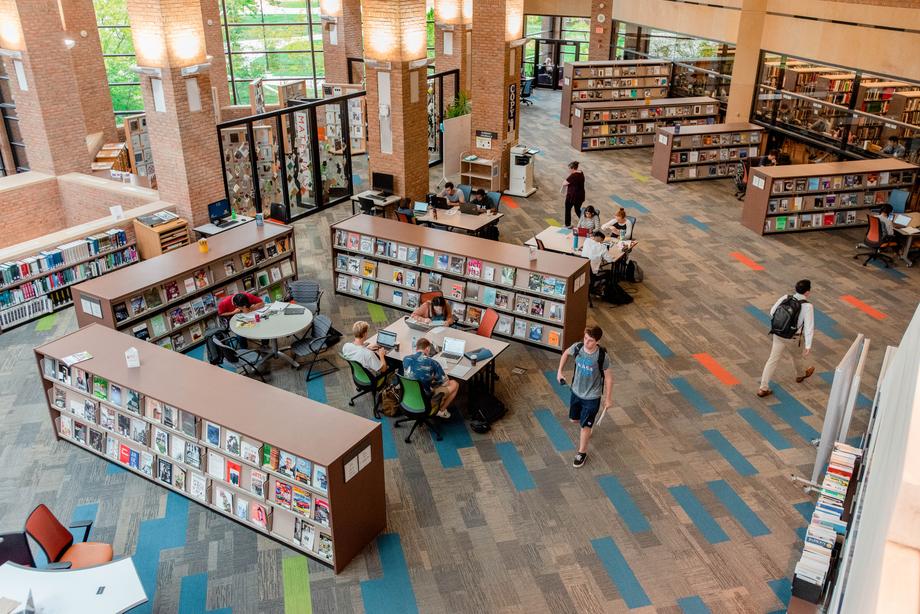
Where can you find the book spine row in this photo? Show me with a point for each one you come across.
(68, 253)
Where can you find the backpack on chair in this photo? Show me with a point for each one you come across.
(633, 272)
(785, 320)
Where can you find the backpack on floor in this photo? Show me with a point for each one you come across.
(491, 233)
(613, 293)
(634, 272)
(490, 409)
(785, 320)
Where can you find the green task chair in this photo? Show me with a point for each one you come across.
(367, 382)
(416, 405)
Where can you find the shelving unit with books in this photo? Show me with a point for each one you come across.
(821, 196)
(542, 302)
(633, 123)
(173, 300)
(300, 472)
(36, 277)
(478, 172)
(704, 152)
(608, 80)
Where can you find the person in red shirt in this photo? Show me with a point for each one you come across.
(241, 302)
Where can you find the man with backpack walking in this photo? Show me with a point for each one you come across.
(792, 321)
(593, 378)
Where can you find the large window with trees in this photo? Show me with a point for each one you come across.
(118, 55)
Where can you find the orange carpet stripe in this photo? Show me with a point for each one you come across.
(713, 366)
(508, 202)
(746, 261)
(855, 302)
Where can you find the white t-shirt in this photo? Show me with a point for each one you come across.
(594, 251)
(361, 355)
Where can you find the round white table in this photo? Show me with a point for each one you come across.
(271, 327)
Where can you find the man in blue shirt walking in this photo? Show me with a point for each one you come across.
(428, 372)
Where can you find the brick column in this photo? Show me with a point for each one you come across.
(214, 47)
(601, 28)
(89, 68)
(394, 31)
(169, 36)
(452, 20)
(747, 56)
(497, 61)
(343, 17)
(49, 108)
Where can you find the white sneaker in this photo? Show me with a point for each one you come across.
(444, 414)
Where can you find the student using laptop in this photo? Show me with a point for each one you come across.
(371, 358)
(589, 220)
(452, 194)
(435, 311)
(481, 200)
(430, 375)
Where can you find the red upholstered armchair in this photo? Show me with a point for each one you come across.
(58, 544)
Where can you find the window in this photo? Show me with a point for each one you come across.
(429, 29)
(118, 55)
(277, 40)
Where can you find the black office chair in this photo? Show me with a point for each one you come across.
(632, 227)
(306, 292)
(223, 352)
(527, 91)
(598, 282)
(321, 337)
(875, 242)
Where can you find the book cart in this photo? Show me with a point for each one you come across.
(542, 302)
(172, 299)
(301, 472)
(606, 80)
(634, 123)
(712, 151)
(821, 196)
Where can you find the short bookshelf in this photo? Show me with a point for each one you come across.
(298, 471)
(542, 302)
(172, 299)
(634, 123)
(36, 277)
(713, 151)
(826, 196)
(607, 80)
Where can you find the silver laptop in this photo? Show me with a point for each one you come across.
(386, 339)
(416, 325)
(901, 220)
(453, 349)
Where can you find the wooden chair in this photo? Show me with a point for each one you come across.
(487, 323)
(57, 542)
(875, 242)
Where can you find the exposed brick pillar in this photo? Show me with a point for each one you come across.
(747, 56)
(395, 68)
(214, 47)
(169, 35)
(601, 28)
(89, 68)
(343, 19)
(497, 61)
(49, 109)
(453, 23)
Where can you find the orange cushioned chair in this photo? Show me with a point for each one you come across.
(876, 240)
(487, 323)
(57, 542)
(427, 296)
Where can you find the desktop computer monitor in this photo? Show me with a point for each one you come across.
(219, 210)
(382, 182)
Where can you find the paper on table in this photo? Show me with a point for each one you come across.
(459, 371)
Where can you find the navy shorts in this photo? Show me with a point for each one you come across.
(584, 410)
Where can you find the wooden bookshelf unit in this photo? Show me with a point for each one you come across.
(609, 80)
(633, 123)
(157, 240)
(193, 428)
(480, 173)
(711, 151)
(821, 196)
(542, 302)
(172, 300)
(36, 276)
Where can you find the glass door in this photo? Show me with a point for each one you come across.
(547, 63)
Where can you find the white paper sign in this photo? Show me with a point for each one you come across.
(577, 112)
(364, 458)
(662, 139)
(483, 142)
(448, 43)
(757, 182)
(159, 98)
(132, 358)
(351, 468)
(117, 212)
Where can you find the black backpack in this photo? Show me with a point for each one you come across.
(785, 321)
(614, 293)
(490, 409)
(600, 357)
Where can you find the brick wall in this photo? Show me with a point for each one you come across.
(84, 198)
(599, 46)
(31, 207)
(350, 42)
(214, 46)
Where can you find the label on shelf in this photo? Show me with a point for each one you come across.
(758, 182)
(662, 139)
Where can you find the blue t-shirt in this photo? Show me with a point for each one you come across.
(426, 370)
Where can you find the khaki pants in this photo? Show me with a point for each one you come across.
(780, 346)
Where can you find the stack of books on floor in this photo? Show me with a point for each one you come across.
(827, 522)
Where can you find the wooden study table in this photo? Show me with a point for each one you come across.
(908, 234)
(454, 219)
(559, 239)
(380, 205)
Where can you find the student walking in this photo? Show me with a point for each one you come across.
(591, 384)
(792, 321)
(574, 186)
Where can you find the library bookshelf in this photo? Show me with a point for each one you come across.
(826, 196)
(172, 299)
(608, 80)
(710, 151)
(478, 172)
(542, 302)
(37, 277)
(634, 123)
(181, 423)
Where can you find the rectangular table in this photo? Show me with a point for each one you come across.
(380, 205)
(454, 219)
(559, 239)
(909, 234)
(209, 230)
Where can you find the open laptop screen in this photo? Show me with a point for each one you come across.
(454, 346)
(386, 338)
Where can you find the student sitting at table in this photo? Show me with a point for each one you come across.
(241, 302)
(620, 225)
(430, 375)
(589, 220)
(595, 250)
(371, 358)
(453, 195)
(481, 200)
(437, 310)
